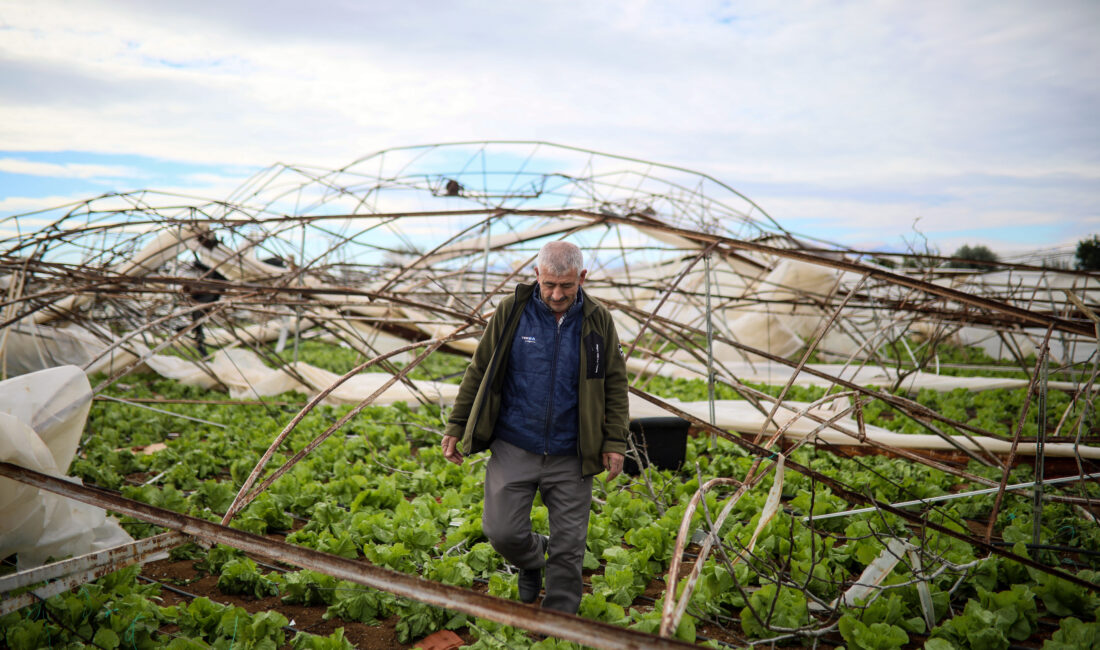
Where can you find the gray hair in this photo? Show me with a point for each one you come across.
(559, 258)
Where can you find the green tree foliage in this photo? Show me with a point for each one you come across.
(1088, 254)
(967, 255)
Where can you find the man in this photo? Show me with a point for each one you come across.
(547, 393)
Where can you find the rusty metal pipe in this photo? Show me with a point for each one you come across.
(535, 619)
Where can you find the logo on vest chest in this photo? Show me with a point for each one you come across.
(528, 339)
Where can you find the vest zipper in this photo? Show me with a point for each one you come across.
(553, 375)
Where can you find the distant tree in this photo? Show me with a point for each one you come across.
(1088, 254)
(920, 261)
(978, 253)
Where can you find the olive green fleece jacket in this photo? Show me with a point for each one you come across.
(603, 404)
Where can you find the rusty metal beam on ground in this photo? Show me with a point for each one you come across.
(76, 571)
(541, 621)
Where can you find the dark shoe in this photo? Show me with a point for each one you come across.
(530, 584)
(530, 580)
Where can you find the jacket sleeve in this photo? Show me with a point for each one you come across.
(616, 396)
(475, 372)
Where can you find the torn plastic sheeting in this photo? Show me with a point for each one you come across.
(740, 415)
(924, 593)
(246, 376)
(764, 372)
(872, 576)
(875, 573)
(35, 348)
(29, 347)
(42, 416)
(241, 266)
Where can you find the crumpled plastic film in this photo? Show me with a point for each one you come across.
(246, 376)
(742, 416)
(42, 416)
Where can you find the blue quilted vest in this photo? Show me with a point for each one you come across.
(539, 402)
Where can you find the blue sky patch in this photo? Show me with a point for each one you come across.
(80, 175)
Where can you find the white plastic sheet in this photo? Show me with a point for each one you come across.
(765, 372)
(27, 347)
(739, 415)
(42, 415)
(246, 376)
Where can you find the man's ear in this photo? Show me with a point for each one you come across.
(536, 273)
(580, 280)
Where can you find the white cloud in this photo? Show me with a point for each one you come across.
(67, 170)
(22, 204)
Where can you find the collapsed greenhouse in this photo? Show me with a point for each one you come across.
(882, 450)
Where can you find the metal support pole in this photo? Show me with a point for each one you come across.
(710, 347)
(1040, 441)
(164, 411)
(957, 495)
(298, 308)
(485, 262)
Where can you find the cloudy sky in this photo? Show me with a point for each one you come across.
(859, 122)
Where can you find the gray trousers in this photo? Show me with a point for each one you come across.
(511, 478)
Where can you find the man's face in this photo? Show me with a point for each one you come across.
(559, 291)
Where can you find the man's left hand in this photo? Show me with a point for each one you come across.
(613, 463)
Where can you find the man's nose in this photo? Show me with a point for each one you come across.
(557, 295)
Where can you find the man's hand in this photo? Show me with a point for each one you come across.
(613, 463)
(451, 452)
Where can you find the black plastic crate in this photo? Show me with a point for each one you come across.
(663, 440)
